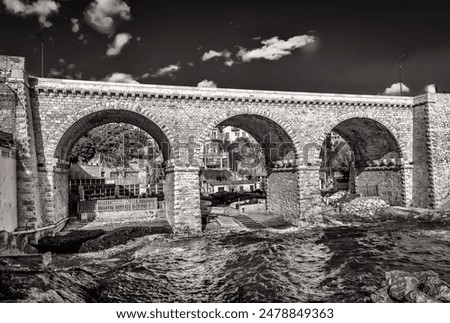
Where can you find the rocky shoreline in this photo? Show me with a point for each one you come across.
(374, 209)
(94, 240)
(404, 287)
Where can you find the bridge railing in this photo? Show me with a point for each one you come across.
(119, 205)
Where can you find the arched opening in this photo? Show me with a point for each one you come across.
(362, 156)
(249, 159)
(127, 174)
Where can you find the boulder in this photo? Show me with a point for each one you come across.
(364, 208)
(120, 236)
(443, 293)
(402, 286)
(419, 287)
(437, 288)
(417, 296)
(67, 243)
(381, 296)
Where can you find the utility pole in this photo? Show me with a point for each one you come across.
(42, 53)
(400, 58)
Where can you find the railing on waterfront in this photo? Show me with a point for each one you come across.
(99, 189)
(120, 205)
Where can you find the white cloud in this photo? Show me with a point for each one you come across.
(394, 89)
(75, 25)
(101, 14)
(54, 72)
(168, 70)
(120, 40)
(120, 78)
(215, 54)
(430, 88)
(40, 8)
(68, 71)
(275, 48)
(206, 83)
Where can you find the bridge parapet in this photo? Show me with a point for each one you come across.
(145, 91)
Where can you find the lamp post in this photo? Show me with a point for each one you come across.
(400, 58)
(42, 53)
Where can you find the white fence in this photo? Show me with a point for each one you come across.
(121, 205)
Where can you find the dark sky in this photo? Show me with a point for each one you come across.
(320, 46)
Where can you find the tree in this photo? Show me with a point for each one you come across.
(117, 144)
(83, 151)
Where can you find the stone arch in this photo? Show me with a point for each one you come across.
(283, 178)
(270, 117)
(78, 124)
(371, 138)
(356, 115)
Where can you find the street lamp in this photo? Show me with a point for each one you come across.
(42, 53)
(400, 58)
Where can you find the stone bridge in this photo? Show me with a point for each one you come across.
(400, 143)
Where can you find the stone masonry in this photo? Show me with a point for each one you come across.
(405, 139)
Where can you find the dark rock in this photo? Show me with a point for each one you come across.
(394, 275)
(67, 243)
(423, 275)
(402, 286)
(120, 236)
(417, 296)
(381, 296)
(443, 293)
(10, 288)
(74, 286)
(432, 284)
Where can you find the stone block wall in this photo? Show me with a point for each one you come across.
(386, 184)
(310, 198)
(186, 202)
(438, 146)
(169, 189)
(29, 208)
(7, 110)
(422, 186)
(283, 194)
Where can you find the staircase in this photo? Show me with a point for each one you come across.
(248, 222)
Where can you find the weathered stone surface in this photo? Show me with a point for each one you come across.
(381, 296)
(120, 236)
(402, 286)
(418, 287)
(437, 288)
(417, 296)
(68, 243)
(363, 208)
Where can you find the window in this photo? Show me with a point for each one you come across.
(220, 189)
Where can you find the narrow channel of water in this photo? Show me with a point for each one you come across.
(338, 264)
